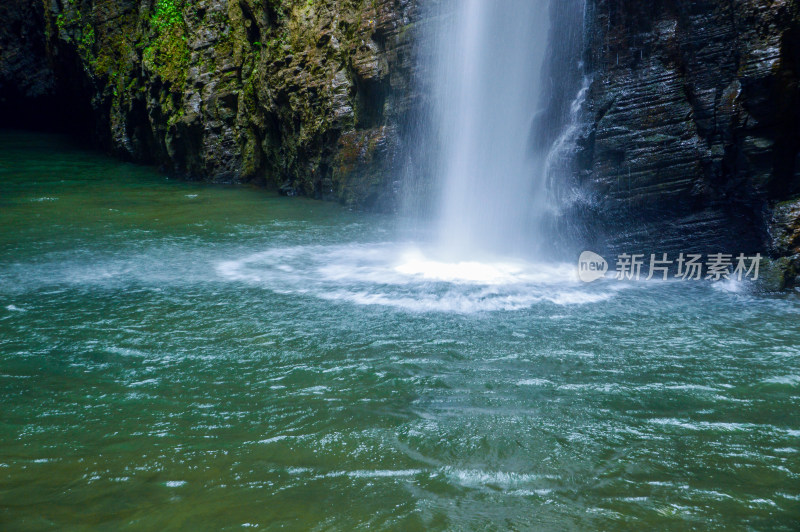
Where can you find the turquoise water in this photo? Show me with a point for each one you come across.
(184, 356)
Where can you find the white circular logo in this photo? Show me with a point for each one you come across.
(591, 267)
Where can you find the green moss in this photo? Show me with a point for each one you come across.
(74, 28)
(86, 43)
(277, 76)
(167, 14)
(404, 31)
(167, 53)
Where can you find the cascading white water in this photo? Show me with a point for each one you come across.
(496, 156)
(488, 83)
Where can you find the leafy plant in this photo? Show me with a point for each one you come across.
(168, 53)
(166, 15)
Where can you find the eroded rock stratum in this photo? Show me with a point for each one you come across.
(691, 139)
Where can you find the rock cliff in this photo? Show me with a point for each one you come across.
(691, 132)
(305, 96)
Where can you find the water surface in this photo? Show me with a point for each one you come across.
(174, 355)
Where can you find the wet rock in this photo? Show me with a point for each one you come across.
(690, 137)
(357, 174)
(785, 235)
(252, 90)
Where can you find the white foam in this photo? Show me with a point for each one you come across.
(274, 439)
(731, 286)
(791, 380)
(409, 278)
(380, 473)
(534, 382)
(477, 477)
(145, 382)
(415, 264)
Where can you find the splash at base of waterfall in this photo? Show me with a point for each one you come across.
(409, 277)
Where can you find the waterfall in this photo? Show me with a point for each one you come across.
(504, 85)
(487, 86)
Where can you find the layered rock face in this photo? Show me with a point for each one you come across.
(305, 96)
(691, 129)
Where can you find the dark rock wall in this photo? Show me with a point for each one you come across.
(28, 88)
(24, 70)
(692, 127)
(305, 96)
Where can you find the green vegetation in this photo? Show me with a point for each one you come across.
(167, 53)
(279, 85)
(86, 41)
(166, 15)
(74, 27)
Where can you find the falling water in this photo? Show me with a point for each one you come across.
(488, 85)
